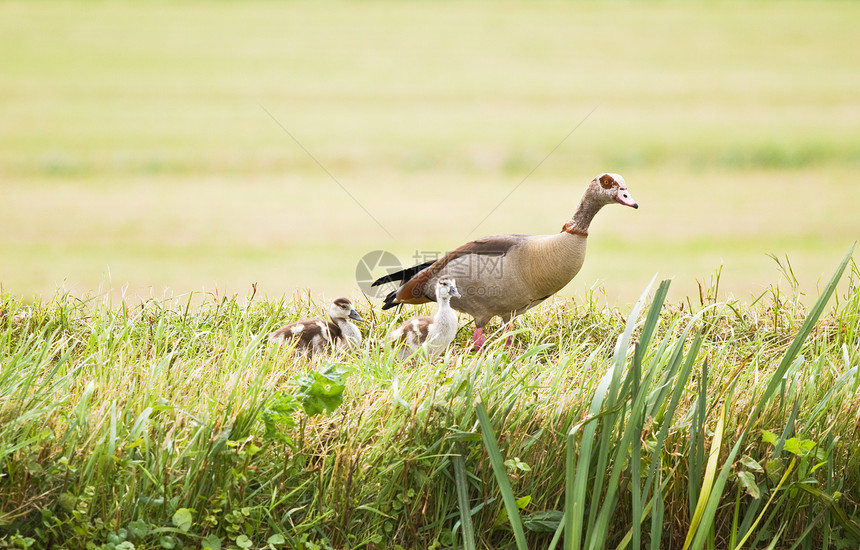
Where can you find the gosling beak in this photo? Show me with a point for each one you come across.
(623, 197)
(354, 315)
(455, 293)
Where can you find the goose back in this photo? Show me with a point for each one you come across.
(310, 336)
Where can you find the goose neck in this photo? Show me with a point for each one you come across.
(581, 220)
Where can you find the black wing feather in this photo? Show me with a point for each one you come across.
(403, 274)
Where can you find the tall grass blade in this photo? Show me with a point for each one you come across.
(595, 532)
(636, 455)
(575, 501)
(462, 483)
(653, 317)
(501, 475)
(841, 516)
(656, 500)
(657, 515)
(733, 535)
(708, 482)
(697, 444)
(669, 413)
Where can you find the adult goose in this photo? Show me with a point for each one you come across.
(434, 332)
(313, 336)
(506, 275)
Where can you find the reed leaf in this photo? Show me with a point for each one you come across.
(708, 481)
(501, 475)
(462, 484)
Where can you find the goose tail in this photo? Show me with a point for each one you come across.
(403, 275)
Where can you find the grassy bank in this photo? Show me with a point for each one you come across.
(164, 425)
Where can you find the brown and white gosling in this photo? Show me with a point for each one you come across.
(434, 332)
(312, 336)
(506, 275)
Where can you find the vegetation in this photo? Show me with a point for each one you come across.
(164, 425)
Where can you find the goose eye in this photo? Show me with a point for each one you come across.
(607, 181)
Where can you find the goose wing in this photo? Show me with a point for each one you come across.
(415, 287)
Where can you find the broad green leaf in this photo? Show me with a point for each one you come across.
(747, 481)
(276, 540)
(322, 391)
(138, 528)
(576, 483)
(212, 542)
(67, 501)
(242, 541)
(750, 464)
(182, 519)
(597, 530)
(543, 522)
(277, 416)
(517, 464)
(799, 447)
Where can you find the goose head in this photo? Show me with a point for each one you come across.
(342, 309)
(446, 288)
(608, 188)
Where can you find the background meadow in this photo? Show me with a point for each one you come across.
(152, 149)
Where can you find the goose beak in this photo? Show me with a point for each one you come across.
(354, 315)
(623, 197)
(455, 293)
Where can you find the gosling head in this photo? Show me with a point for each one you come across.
(342, 309)
(608, 188)
(446, 289)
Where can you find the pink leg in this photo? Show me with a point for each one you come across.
(478, 339)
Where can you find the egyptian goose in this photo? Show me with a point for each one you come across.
(314, 335)
(506, 275)
(435, 332)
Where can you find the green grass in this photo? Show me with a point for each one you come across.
(135, 151)
(168, 424)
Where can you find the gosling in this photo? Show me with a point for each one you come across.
(314, 336)
(433, 333)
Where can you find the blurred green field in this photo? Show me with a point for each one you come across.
(137, 153)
